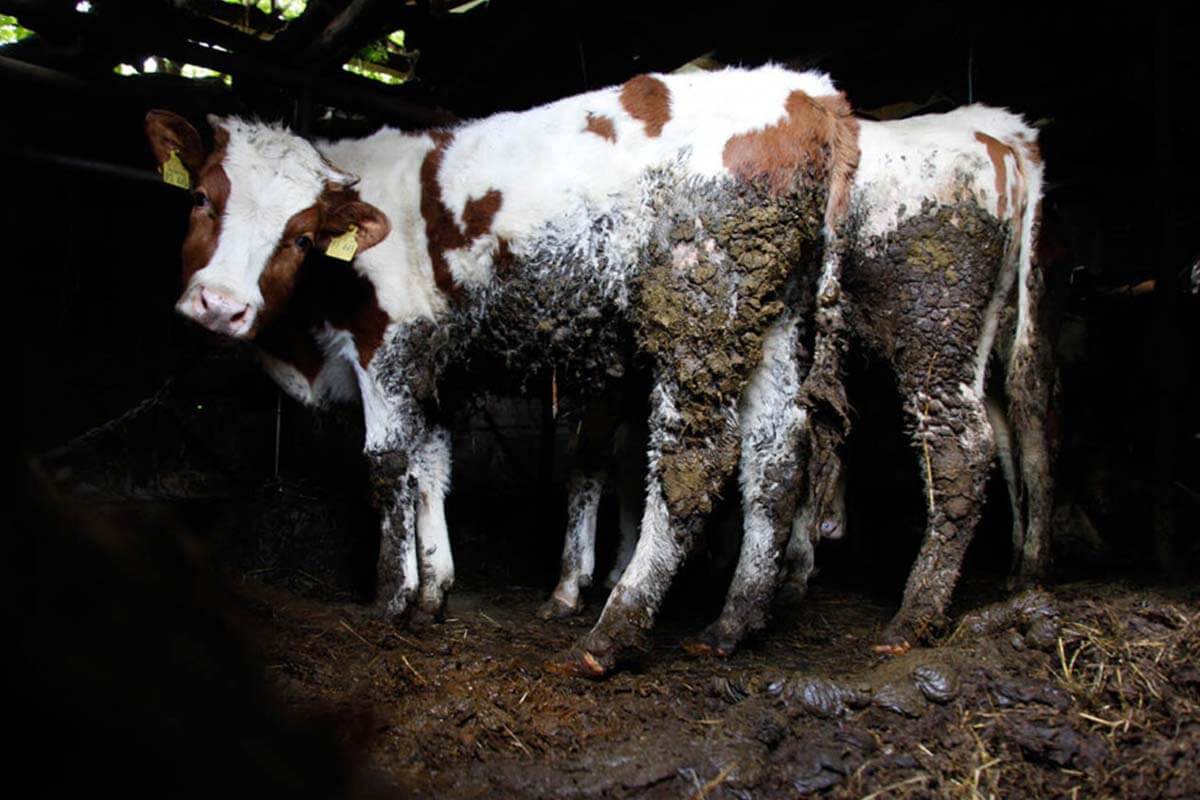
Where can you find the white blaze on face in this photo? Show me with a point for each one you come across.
(273, 175)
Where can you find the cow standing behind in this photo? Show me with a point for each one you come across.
(937, 245)
(676, 216)
(934, 262)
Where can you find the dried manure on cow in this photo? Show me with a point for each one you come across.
(683, 237)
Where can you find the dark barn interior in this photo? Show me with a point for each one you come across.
(190, 574)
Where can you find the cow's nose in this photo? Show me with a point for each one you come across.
(219, 311)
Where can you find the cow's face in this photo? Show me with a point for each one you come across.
(262, 199)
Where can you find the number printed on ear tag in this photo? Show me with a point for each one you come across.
(175, 173)
(345, 246)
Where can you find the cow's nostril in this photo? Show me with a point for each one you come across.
(203, 300)
(238, 316)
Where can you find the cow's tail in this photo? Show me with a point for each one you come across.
(1030, 373)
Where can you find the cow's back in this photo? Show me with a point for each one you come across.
(937, 213)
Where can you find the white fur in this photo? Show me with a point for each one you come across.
(556, 179)
(579, 546)
(335, 383)
(432, 469)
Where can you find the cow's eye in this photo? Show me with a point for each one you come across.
(304, 242)
(200, 199)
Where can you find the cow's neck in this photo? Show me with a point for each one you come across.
(399, 267)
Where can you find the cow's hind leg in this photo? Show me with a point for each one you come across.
(822, 515)
(684, 475)
(772, 424)
(954, 444)
(1030, 381)
(579, 547)
(1003, 436)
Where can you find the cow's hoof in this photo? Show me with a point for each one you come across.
(428, 613)
(712, 643)
(895, 641)
(554, 608)
(893, 649)
(392, 611)
(578, 663)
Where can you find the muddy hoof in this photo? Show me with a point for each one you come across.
(892, 643)
(894, 649)
(557, 609)
(711, 643)
(427, 615)
(391, 612)
(578, 663)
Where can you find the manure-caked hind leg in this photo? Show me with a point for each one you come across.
(685, 473)
(954, 446)
(629, 613)
(579, 546)
(772, 424)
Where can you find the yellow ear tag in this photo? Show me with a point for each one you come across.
(345, 246)
(175, 173)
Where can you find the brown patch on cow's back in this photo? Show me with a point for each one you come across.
(816, 137)
(478, 214)
(601, 125)
(442, 232)
(648, 100)
(997, 150)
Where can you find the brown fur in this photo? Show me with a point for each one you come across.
(478, 214)
(279, 276)
(817, 138)
(205, 227)
(996, 152)
(648, 100)
(442, 231)
(602, 126)
(167, 131)
(845, 158)
(367, 326)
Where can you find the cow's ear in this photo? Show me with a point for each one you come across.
(371, 225)
(169, 132)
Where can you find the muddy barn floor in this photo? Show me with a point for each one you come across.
(1092, 691)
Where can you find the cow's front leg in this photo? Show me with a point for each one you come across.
(772, 425)
(409, 469)
(686, 471)
(579, 546)
(435, 563)
(394, 492)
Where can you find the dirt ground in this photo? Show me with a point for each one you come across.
(1090, 691)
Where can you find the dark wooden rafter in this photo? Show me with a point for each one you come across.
(122, 30)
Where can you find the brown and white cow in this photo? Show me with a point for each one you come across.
(679, 217)
(936, 249)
